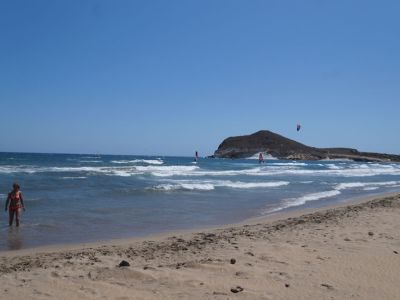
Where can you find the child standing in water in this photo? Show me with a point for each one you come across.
(14, 204)
(260, 158)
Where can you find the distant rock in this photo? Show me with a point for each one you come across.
(283, 148)
(124, 263)
(328, 286)
(236, 289)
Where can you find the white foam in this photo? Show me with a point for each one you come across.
(211, 185)
(35, 169)
(155, 170)
(121, 161)
(136, 161)
(91, 161)
(351, 171)
(265, 154)
(185, 186)
(289, 164)
(366, 186)
(275, 169)
(17, 169)
(372, 188)
(121, 173)
(252, 185)
(156, 167)
(349, 185)
(166, 171)
(161, 171)
(251, 172)
(334, 167)
(71, 169)
(316, 196)
(306, 198)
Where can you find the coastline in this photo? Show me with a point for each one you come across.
(268, 218)
(278, 257)
(83, 199)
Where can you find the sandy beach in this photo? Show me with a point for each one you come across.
(347, 252)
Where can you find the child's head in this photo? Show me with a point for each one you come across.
(16, 187)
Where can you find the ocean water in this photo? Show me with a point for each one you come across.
(85, 198)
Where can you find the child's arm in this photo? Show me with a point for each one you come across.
(22, 200)
(8, 200)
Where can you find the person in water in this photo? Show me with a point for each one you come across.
(260, 158)
(14, 204)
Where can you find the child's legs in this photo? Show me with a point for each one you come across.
(11, 216)
(17, 216)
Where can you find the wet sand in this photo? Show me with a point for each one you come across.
(348, 252)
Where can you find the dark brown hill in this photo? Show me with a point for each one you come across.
(284, 148)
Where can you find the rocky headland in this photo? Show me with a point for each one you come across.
(283, 148)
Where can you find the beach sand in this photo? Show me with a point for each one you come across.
(349, 252)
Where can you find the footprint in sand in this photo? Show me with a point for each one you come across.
(122, 275)
(242, 275)
(279, 275)
(271, 259)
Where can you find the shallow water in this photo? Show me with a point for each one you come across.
(84, 198)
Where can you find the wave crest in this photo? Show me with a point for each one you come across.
(138, 161)
(211, 185)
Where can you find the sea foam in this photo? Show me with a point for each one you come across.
(350, 185)
(265, 154)
(136, 161)
(306, 198)
(211, 185)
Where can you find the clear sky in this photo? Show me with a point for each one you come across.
(170, 77)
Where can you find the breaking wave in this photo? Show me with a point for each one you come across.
(211, 185)
(266, 156)
(137, 161)
(306, 198)
(156, 167)
(369, 185)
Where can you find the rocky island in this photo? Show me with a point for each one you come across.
(283, 148)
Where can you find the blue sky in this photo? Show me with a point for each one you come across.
(171, 77)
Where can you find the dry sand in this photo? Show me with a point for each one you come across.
(349, 252)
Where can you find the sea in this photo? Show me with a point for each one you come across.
(72, 198)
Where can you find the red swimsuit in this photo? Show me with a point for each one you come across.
(15, 202)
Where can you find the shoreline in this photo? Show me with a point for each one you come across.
(273, 217)
(349, 251)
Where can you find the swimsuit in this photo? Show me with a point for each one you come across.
(15, 203)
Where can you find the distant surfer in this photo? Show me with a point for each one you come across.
(14, 204)
(196, 156)
(260, 158)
